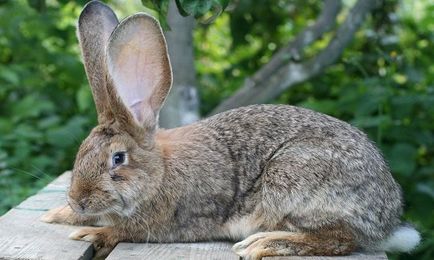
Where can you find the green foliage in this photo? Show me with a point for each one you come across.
(46, 108)
(200, 9)
(162, 7)
(241, 41)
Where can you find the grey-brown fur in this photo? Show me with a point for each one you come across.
(258, 155)
(312, 183)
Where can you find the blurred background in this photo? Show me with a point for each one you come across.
(367, 62)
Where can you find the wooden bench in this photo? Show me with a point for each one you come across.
(23, 236)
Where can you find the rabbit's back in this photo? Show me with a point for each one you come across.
(277, 166)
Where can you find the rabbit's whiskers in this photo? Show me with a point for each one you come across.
(42, 172)
(27, 172)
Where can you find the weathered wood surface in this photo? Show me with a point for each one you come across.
(24, 236)
(217, 250)
(196, 251)
(354, 256)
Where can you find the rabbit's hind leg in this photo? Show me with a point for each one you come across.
(301, 198)
(281, 243)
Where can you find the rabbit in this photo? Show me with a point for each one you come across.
(280, 179)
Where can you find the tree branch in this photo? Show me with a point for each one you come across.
(282, 73)
(182, 104)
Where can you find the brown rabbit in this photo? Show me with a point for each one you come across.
(287, 180)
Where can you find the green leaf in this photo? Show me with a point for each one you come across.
(6, 126)
(426, 188)
(162, 8)
(9, 75)
(162, 15)
(26, 131)
(181, 9)
(31, 106)
(402, 158)
(38, 5)
(372, 121)
(49, 122)
(197, 8)
(223, 3)
(84, 98)
(66, 135)
(147, 3)
(324, 106)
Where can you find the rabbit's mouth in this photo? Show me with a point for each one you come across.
(88, 207)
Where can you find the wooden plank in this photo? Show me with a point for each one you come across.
(24, 236)
(51, 196)
(172, 251)
(354, 256)
(217, 250)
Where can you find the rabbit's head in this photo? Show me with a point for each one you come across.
(129, 72)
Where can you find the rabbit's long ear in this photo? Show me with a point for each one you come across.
(95, 25)
(139, 66)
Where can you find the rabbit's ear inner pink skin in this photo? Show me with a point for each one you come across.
(95, 25)
(138, 64)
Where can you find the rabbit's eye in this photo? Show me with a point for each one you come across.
(118, 159)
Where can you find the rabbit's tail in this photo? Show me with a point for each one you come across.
(404, 238)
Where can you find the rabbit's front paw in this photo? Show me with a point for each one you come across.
(65, 215)
(60, 215)
(103, 239)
